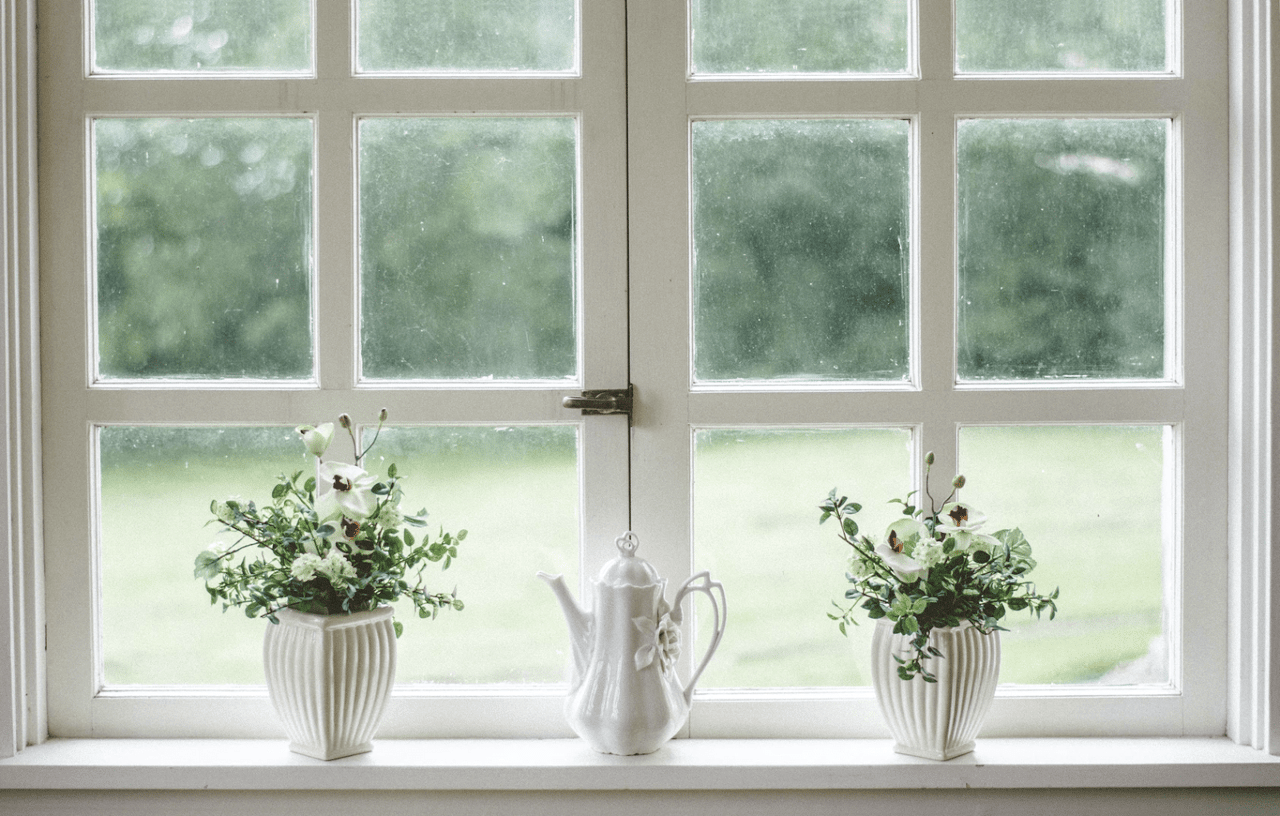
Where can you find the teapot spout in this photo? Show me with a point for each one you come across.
(578, 620)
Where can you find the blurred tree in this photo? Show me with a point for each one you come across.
(204, 249)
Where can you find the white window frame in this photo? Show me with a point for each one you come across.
(1191, 398)
(1252, 693)
(335, 99)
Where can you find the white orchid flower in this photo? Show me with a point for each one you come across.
(344, 490)
(316, 437)
(904, 534)
(904, 566)
(959, 517)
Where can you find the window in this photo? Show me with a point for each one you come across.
(873, 202)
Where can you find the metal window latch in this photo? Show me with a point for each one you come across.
(603, 401)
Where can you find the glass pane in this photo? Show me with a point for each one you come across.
(515, 491)
(200, 36)
(467, 248)
(799, 36)
(1082, 36)
(203, 247)
(152, 608)
(467, 35)
(756, 497)
(1094, 505)
(801, 257)
(155, 490)
(1062, 248)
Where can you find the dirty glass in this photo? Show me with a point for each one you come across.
(799, 36)
(1080, 37)
(203, 257)
(755, 515)
(468, 257)
(157, 483)
(801, 250)
(1062, 249)
(463, 36)
(228, 36)
(1095, 504)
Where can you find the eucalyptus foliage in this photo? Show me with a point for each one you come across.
(934, 569)
(333, 543)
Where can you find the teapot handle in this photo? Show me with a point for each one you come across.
(714, 590)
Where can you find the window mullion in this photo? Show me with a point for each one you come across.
(336, 300)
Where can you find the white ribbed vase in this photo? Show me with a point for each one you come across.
(329, 678)
(936, 720)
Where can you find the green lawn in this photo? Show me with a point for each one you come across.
(1088, 500)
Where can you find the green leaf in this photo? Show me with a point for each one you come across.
(391, 470)
(850, 527)
(408, 538)
(207, 565)
(279, 490)
(397, 625)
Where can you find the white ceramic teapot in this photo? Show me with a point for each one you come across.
(624, 694)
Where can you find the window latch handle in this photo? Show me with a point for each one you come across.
(603, 401)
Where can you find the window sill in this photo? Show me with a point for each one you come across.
(691, 765)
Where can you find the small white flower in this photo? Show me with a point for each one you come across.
(223, 512)
(219, 547)
(336, 567)
(344, 490)
(388, 516)
(305, 566)
(316, 437)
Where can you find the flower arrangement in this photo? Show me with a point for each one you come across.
(935, 569)
(332, 543)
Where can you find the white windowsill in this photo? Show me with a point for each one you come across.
(530, 765)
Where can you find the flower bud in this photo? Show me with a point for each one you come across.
(316, 439)
(957, 482)
(928, 458)
(382, 415)
(345, 421)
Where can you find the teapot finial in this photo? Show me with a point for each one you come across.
(628, 543)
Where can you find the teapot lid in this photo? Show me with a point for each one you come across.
(628, 569)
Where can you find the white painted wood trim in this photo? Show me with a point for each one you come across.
(1254, 693)
(681, 765)
(21, 601)
(1253, 689)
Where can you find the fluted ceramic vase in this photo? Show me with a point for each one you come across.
(936, 720)
(329, 678)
